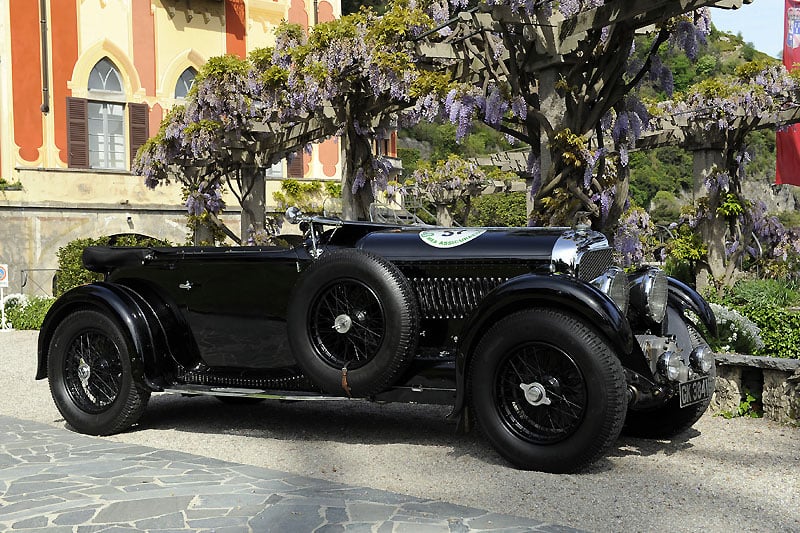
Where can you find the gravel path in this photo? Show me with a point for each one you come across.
(722, 475)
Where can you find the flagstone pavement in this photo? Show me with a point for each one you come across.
(56, 480)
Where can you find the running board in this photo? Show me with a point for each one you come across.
(211, 390)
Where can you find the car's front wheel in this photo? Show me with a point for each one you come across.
(89, 370)
(547, 391)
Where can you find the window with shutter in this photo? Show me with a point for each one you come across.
(294, 168)
(138, 127)
(77, 133)
(105, 117)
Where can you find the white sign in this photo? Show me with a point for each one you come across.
(449, 238)
(3, 275)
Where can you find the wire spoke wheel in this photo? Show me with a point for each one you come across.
(91, 379)
(540, 393)
(353, 310)
(93, 371)
(547, 390)
(348, 324)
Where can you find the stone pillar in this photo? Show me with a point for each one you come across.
(706, 161)
(727, 391)
(781, 397)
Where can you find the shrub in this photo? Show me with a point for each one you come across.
(780, 330)
(24, 312)
(735, 332)
(763, 293)
(499, 209)
(71, 272)
(70, 265)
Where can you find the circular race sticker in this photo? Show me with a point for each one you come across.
(449, 238)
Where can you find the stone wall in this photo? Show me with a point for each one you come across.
(774, 382)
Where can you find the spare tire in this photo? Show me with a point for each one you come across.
(353, 310)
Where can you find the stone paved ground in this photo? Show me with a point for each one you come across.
(59, 481)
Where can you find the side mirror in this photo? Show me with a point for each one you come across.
(293, 215)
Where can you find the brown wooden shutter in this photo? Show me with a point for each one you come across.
(138, 126)
(295, 168)
(77, 133)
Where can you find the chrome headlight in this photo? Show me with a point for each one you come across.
(702, 358)
(614, 283)
(649, 293)
(671, 366)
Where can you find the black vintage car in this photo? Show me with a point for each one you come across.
(533, 334)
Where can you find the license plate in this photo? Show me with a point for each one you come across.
(694, 391)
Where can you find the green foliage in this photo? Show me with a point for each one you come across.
(499, 209)
(686, 246)
(770, 305)
(683, 72)
(70, 265)
(790, 219)
(202, 125)
(220, 67)
(10, 185)
(309, 196)
(731, 206)
(763, 293)
(680, 269)
(24, 312)
(706, 65)
(666, 208)
(667, 169)
(410, 158)
(780, 330)
(442, 139)
(71, 272)
(749, 407)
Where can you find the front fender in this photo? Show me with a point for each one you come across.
(559, 292)
(124, 306)
(683, 298)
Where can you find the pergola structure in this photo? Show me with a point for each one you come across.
(532, 54)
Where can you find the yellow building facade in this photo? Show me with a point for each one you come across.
(83, 83)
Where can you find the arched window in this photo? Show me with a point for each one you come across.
(106, 118)
(105, 77)
(185, 82)
(103, 127)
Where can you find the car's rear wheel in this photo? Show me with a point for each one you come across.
(353, 323)
(547, 391)
(89, 370)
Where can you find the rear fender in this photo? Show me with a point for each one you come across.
(557, 292)
(128, 309)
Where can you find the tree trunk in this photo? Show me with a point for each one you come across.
(443, 216)
(202, 234)
(254, 194)
(357, 151)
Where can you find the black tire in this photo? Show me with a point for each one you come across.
(669, 420)
(560, 359)
(352, 309)
(89, 369)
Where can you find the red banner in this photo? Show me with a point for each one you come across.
(788, 141)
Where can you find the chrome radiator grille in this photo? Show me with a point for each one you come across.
(451, 297)
(594, 262)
